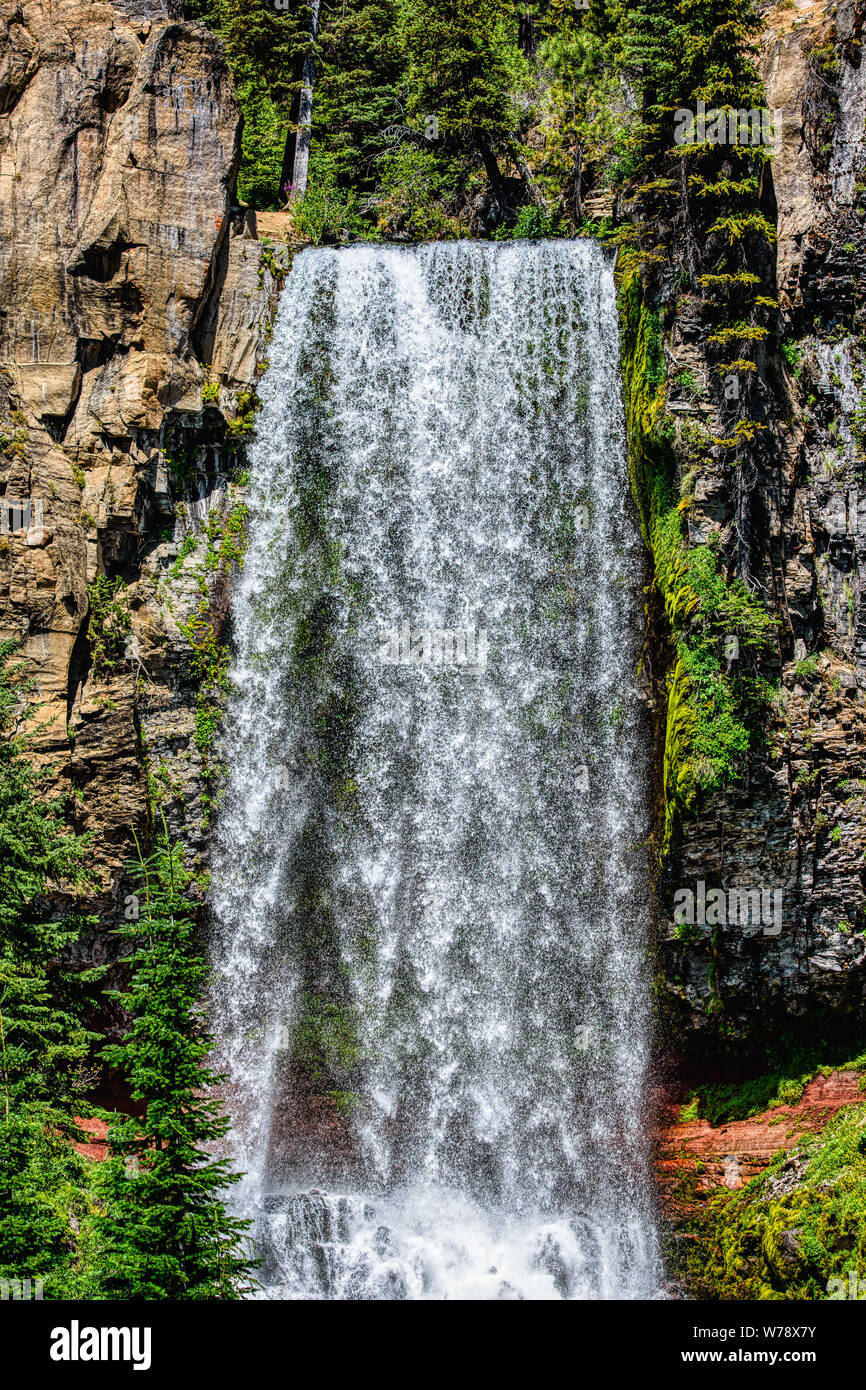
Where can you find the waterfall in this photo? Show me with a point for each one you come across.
(429, 880)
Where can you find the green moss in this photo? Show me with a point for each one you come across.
(325, 1040)
(791, 1230)
(242, 425)
(345, 1102)
(278, 263)
(188, 545)
(792, 1066)
(225, 537)
(715, 708)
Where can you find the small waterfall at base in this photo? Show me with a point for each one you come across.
(429, 880)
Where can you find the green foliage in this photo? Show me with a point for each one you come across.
(786, 1234)
(209, 659)
(654, 351)
(265, 48)
(413, 196)
(45, 1200)
(358, 116)
(793, 1067)
(535, 91)
(187, 547)
(44, 1045)
(162, 1230)
(715, 710)
(699, 50)
(687, 382)
(109, 624)
(587, 132)
(465, 67)
(807, 668)
(793, 355)
(533, 223)
(328, 212)
(242, 425)
(325, 1041)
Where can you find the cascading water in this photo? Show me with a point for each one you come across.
(430, 987)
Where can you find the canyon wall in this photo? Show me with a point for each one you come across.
(134, 306)
(794, 514)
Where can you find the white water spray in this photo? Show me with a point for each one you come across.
(431, 990)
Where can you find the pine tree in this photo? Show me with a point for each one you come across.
(464, 68)
(43, 1043)
(164, 1232)
(265, 48)
(357, 111)
(582, 117)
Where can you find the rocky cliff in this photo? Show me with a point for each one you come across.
(792, 511)
(134, 307)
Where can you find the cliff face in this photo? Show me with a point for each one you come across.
(129, 286)
(796, 514)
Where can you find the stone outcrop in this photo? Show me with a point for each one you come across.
(798, 824)
(129, 285)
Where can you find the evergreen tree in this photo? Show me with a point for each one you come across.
(43, 1043)
(465, 68)
(265, 48)
(164, 1232)
(583, 117)
(358, 110)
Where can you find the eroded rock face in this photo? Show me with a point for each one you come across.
(800, 825)
(127, 281)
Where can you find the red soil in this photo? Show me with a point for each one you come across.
(732, 1153)
(97, 1145)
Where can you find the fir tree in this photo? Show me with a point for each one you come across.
(265, 48)
(43, 1043)
(164, 1232)
(358, 113)
(464, 68)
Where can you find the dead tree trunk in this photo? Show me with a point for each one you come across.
(296, 159)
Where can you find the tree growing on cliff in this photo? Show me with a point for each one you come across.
(164, 1232)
